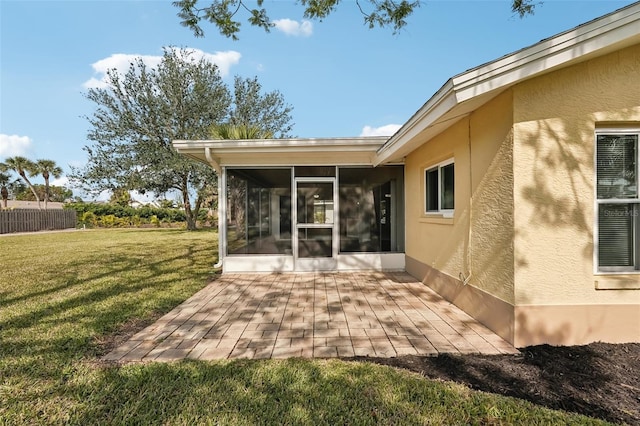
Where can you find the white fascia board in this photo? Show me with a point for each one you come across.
(565, 49)
(213, 160)
(438, 105)
(616, 30)
(355, 143)
(227, 152)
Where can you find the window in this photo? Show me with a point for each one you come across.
(617, 201)
(440, 189)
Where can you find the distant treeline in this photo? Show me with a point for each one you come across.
(110, 215)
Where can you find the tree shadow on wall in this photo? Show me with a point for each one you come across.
(562, 181)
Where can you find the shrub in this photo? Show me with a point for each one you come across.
(108, 221)
(155, 221)
(122, 222)
(88, 219)
(136, 220)
(133, 217)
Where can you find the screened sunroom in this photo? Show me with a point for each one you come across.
(305, 204)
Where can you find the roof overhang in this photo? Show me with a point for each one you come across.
(468, 91)
(282, 152)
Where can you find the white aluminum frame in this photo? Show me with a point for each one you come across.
(447, 213)
(239, 263)
(315, 263)
(597, 202)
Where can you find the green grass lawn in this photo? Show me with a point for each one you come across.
(62, 295)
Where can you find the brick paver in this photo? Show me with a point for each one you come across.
(318, 315)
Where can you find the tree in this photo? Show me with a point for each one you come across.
(58, 194)
(140, 113)
(267, 113)
(47, 168)
(376, 13)
(121, 197)
(4, 182)
(19, 187)
(22, 166)
(237, 132)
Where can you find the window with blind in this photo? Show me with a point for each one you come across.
(618, 201)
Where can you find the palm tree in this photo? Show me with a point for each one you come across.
(22, 166)
(4, 181)
(239, 131)
(48, 168)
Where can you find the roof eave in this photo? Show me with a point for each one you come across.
(220, 153)
(482, 83)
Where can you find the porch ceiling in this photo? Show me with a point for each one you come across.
(283, 152)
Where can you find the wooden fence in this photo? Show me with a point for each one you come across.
(31, 220)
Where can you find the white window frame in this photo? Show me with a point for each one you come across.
(597, 202)
(448, 213)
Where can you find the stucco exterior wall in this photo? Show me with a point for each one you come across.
(555, 119)
(559, 298)
(436, 241)
(481, 145)
(491, 238)
(523, 227)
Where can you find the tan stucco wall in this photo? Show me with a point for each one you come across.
(576, 324)
(555, 119)
(423, 231)
(481, 145)
(524, 182)
(492, 231)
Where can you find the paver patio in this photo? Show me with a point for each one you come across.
(311, 315)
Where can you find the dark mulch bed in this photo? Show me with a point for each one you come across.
(599, 380)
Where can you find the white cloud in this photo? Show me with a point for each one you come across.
(118, 61)
(61, 181)
(224, 60)
(104, 196)
(294, 28)
(122, 61)
(12, 145)
(94, 83)
(146, 198)
(386, 130)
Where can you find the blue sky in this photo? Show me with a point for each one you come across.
(341, 78)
